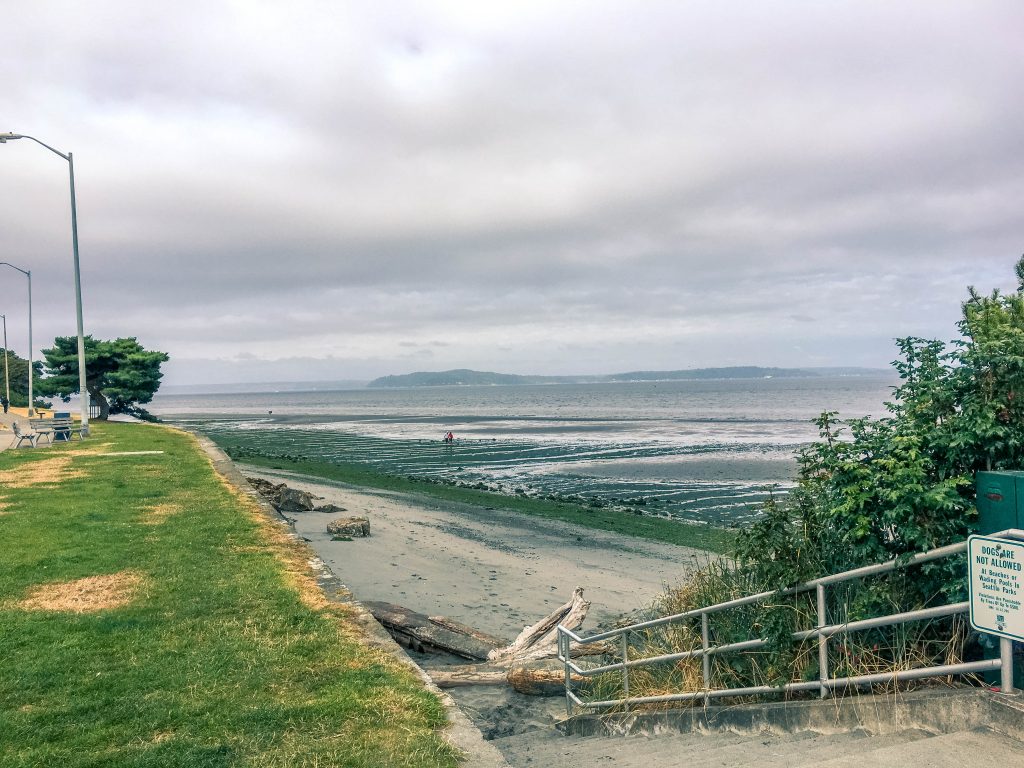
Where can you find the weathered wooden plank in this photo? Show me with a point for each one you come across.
(418, 631)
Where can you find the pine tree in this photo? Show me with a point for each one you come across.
(121, 375)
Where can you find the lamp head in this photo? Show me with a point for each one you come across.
(5, 137)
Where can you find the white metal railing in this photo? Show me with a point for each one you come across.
(822, 631)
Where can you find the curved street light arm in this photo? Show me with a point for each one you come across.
(8, 264)
(5, 137)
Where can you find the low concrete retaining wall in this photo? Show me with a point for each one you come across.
(936, 711)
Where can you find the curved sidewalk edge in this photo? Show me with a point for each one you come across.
(461, 732)
(6, 434)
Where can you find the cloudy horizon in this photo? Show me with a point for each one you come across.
(344, 191)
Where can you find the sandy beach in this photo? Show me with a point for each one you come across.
(493, 570)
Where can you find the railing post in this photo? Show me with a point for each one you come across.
(822, 642)
(563, 643)
(705, 659)
(1006, 665)
(625, 670)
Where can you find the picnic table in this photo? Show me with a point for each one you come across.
(60, 427)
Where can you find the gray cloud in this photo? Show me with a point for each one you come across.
(532, 186)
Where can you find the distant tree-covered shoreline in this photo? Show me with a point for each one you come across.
(467, 377)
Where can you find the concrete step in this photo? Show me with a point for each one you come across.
(709, 750)
(950, 750)
(785, 751)
(550, 747)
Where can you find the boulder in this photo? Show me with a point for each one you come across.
(265, 488)
(292, 500)
(349, 526)
(332, 509)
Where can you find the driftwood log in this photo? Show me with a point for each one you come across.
(542, 680)
(527, 663)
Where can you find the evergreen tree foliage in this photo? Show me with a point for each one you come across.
(18, 377)
(121, 375)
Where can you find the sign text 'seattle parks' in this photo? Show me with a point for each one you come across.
(996, 581)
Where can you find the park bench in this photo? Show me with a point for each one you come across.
(31, 437)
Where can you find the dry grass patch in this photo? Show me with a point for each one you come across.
(154, 470)
(51, 471)
(157, 513)
(241, 549)
(93, 593)
(5, 506)
(94, 447)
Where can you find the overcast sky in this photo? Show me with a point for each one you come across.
(341, 190)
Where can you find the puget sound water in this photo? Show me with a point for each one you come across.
(701, 451)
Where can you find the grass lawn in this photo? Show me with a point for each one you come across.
(149, 616)
(705, 537)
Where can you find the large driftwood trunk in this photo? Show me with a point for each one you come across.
(423, 633)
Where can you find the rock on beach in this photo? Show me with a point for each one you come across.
(349, 526)
(292, 500)
(331, 509)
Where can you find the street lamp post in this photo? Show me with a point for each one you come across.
(27, 273)
(7, 377)
(4, 138)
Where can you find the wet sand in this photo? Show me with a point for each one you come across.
(494, 570)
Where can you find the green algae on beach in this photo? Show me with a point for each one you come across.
(631, 523)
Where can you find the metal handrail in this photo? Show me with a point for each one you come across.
(823, 631)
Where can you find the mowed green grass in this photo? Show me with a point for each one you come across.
(216, 661)
(706, 537)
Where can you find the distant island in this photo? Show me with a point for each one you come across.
(467, 377)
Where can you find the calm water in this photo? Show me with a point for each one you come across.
(696, 450)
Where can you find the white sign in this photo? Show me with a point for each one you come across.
(996, 568)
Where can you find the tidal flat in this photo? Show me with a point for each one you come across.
(596, 515)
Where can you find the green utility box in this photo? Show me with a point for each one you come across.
(1000, 501)
(1001, 506)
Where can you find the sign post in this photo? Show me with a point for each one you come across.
(997, 586)
(996, 582)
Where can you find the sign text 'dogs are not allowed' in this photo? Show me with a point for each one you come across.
(996, 581)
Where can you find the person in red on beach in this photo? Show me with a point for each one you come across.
(449, 438)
